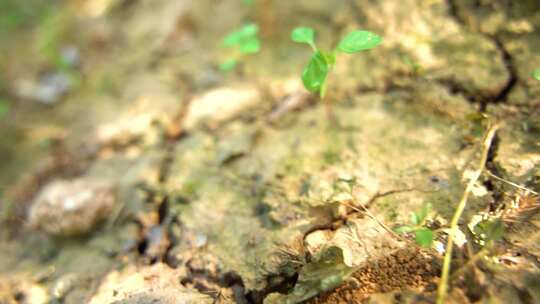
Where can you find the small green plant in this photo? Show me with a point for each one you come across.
(422, 235)
(316, 72)
(243, 41)
(536, 74)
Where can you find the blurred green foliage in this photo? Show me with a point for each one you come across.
(244, 41)
(15, 14)
(422, 235)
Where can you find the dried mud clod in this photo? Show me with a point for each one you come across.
(67, 208)
(403, 270)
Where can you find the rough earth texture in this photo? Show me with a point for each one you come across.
(235, 188)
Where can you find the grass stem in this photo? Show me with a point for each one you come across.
(443, 285)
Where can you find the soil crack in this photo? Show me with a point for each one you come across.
(484, 98)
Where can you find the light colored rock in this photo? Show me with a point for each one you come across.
(220, 105)
(68, 208)
(48, 89)
(64, 285)
(138, 122)
(158, 284)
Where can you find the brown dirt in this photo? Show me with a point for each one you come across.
(404, 269)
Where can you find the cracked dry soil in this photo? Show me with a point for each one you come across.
(221, 200)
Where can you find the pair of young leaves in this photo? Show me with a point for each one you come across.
(422, 235)
(316, 71)
(247, 42)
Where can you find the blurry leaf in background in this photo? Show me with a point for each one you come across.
(248, 2)
(4, 108)
(15, 14)
(228, 65)
(304, 35)
(250, 46)
(536, 74)
(238, 37)
(314, 75)
(358, 41)
(244, 41)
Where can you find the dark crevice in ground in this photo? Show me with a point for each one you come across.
(453, 11)
(281, 283)
(483, 99)
(508, 60)
(157, 241)
(154, 240)
(212, 284)
(166, 162)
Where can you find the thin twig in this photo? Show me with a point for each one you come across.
(443, 286)
(391, 192)
(370, 215)
(510, 183)
(371, 201)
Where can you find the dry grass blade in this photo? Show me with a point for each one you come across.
(443, 285)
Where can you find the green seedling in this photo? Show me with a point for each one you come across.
(422, 235)
(536, 74)
(315, 74)
(244, 42)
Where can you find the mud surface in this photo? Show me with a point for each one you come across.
(235, 188)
